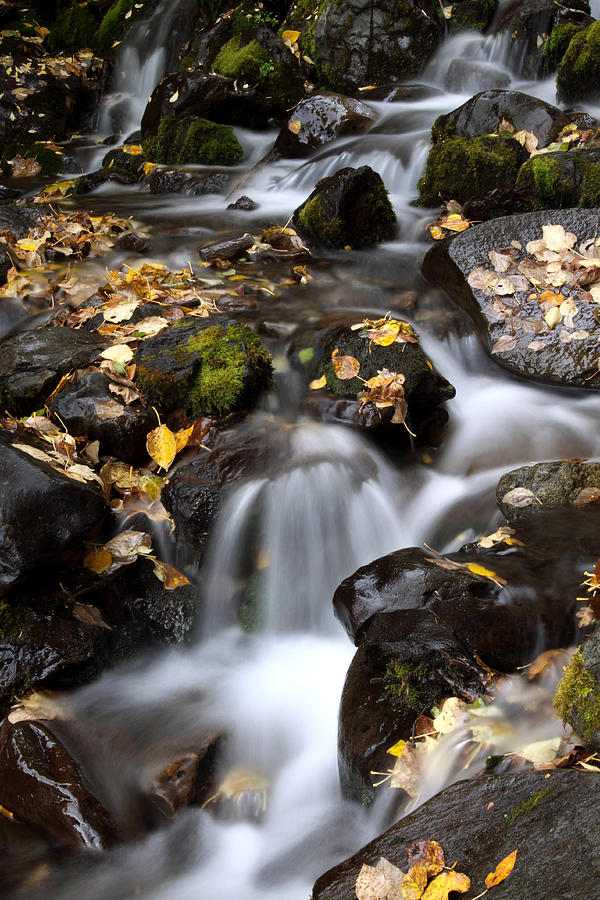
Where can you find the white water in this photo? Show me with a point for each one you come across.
(334, 506)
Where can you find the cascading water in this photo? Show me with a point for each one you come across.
(334, 505)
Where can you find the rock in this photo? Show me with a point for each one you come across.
(500, 623)
(354, 43)
(189, 778)
(19, 219)
(85, 184)
(320, 119)
(229, 249)
(207, 366)
(33, 362)
(467, 76)
(244, 203)
(350, 207)
(577, 699)
(554, 357)
(500, 201)
(390, 682)
(189, 139)
(43, 512)
(401, 93)
(554, 49)
(481, 821)
(561, 179)
(483, 113)
(126, 159)
(475, 15)
(42, 785)
(177, 181)
(88, 408)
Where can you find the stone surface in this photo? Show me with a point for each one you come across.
(177, 181)
(319, 119)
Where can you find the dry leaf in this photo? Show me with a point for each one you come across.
(373, 884)
(119, 353)
(429, 853)
(519, 497)
(440, 887)
(98, 561)
(108, 409)
(451, 712)
(89, 615)
(294, 126)
(414, 882)
(170, 576)
(162, 446)
(502, 870)
(345, 367)
(504, 343)
(318, 383)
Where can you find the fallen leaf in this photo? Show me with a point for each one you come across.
(119, 353)
(502, 870)
(182, 438)
(504, 344)
(556, 238)
(35, 707)
(385, 334)
(519, 497)
(429, 853)
(89, 615)
(476, 569)
(291, 36)
(294, 126)
(414, 882)
(108, 409)
(451, 712)
(345, 367)
(98, 561)
(440, 887)
(162, 446)
(170, 576)
(373, 884)
(541, 663)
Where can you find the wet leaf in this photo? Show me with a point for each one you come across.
(397, 749)
(450, 714)
(345, 367)
(519, 497)
(98, 561)
(546, 659)
(541, 751)
(384, 334)
(291, 36)
(504, 534)
(35, 707)
(128, 545)
(440, 887)
(162, 446)
(502, 870)
(585, 616)
(504, 344)
(476, 569)
(89, 615)
(318, 383)
(182, 438)
(122, 311)
(119, 353)
(23, 168)
(428, 853)
(414, 882)
(171, 577)
(553, 317)
(294, 126)
(108, 409)
(585, 496)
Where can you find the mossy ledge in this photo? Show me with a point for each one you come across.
(191, 140)
(578, 74)
(577, 698)
(210, 370)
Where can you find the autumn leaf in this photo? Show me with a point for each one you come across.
(504, 344)
(162, 446)
(98, 561)
(476, 569)
(294, 126)
(291, 36)
(170, 576)
(414, 882)
(440, 887)
(345, 367)
(119, 353)
(502, 870)
(89, 615)
(385, 334)
(182, 438)
(428, 853)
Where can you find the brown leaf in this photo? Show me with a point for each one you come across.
(108, 409)
(89, 615)
(22, 168)
(585, 496)
(162, 446)
(345, 367)
(98, 561)
(502, 870)
(441, 886)
(586, 616)
(546, 659)
(182, 437)
(428, 853)
(504, 344)
(170, 576)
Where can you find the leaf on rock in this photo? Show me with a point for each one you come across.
(294, 126)
(318, 383)
(451, 712)
(504, 344)
(440, 887)
(170, 576)
(35, 707)
(162, 446)
(119, 353)
(504, 534)
(414, 882)
(502, 870)
(98, 561)
(22, 168)
(519, 497)
(291, 36)
(345, 367)
(428, 853)
(385, 334)
(89, 615)
(108, 409)
(182, 438)
(476, 569)
(556, 238)
(373, 884)
(553, 317)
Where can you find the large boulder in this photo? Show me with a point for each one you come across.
(189, 139)
(349, 208)
(511, 312)
(320, 119)
(577, 699)
(579, 70)
(481, 821)
(561, 179)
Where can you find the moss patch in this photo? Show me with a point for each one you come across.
(406, 685)
(460, 168)
(191, 140)
(578, 75)
(577, 698)
(115, 22)
(475, 14)
(246, 60)
(74, 29)
(524, 807)
(556, 46)
(590, 190)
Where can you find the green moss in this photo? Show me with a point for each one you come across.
(49, 160)
(476, 14)
(524, 807)
(313, 220)
(460, 168)
(590, 189)
(246, 17)
(406, 685)
(248, 61)
(578, 75)
(577, 698)
(191, 140)
(555, 47)
(115, 21)
(73, 29)
(547, 183)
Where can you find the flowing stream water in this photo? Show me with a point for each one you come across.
(337, 504)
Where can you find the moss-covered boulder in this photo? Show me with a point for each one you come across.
(118, 17)
(556, 46)
(357, 42)
(208, 367)
(259, 57)
(192, 140)
(128, 159)
(561, 179)
(74, 27)
(349, 208)
(460, 168)
(471, 14)
(577, 699)
(578, 75)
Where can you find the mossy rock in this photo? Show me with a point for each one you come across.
(349, 208)
(209, 368)
(471, 14)
(577, 698)
(460, 168)
(51, 162)
(556, 46)
(128, 159)
(578, 75)
(116, 19)
(74, 28)
(193, 140)
(561, 179)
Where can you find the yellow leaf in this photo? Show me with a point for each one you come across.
(427, 853)
(553, 317)
(476, 569)
(174, 97)
(161, 446)
(414, 883)
(171, 577)
(436, 233)
(455, 222)
(345, 367)
(99, 561)
(182, 437)
(385, 334)
(502, 870)
(151, 485)
(318, 383)
(291, 36)
(294, 126)
(441, 886)
(397, 749)
(133, 149)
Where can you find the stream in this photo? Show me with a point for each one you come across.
(338, 504)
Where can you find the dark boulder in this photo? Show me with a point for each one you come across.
(89, 409)
(466, 76)
(320, 119)
(127, 159)
(579, 69)
(562, 351)
(481, 821)
(577, 699)
(33, 362)
(471, 14)
(177, 181)
(500, 201)
(43, 512)
(244, 203)
(400, 93)
(349, 208)
(42, 785)
(189, 139)
(189, 778)
(561, 179)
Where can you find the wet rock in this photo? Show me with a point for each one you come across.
(350, 207)
(42, 785)
(354, 43)
(126, 159)
(500, 623)
(207, 367)
(33, 362)
(577, 699)
(86, 184)
(391, 681)
(244, 203)
(471, 15)
(467, 76)
(88, 408)
(561, 179)
(555, 357)
(133, 243)
(189, 778)
(401, 93)
(229, 249)
(480, 821)
(320, 119)
(19, 219)
(43, 512)
(578, 71)
(169, 616)
(500, 201)
(189, 139)
(177, 181)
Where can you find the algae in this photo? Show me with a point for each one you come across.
(577, 698)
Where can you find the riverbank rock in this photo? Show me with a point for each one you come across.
(354, 43)
(43, 511)
(467, 76)
(349, 208)
(532, 303)
(579, 70)
(561, 179)
(320, 119)
(391, 681)
(33, 362)
(178, 181)
(481, 821)
(206, 366)
(189, 139)
(577, 699)
(475, 15)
